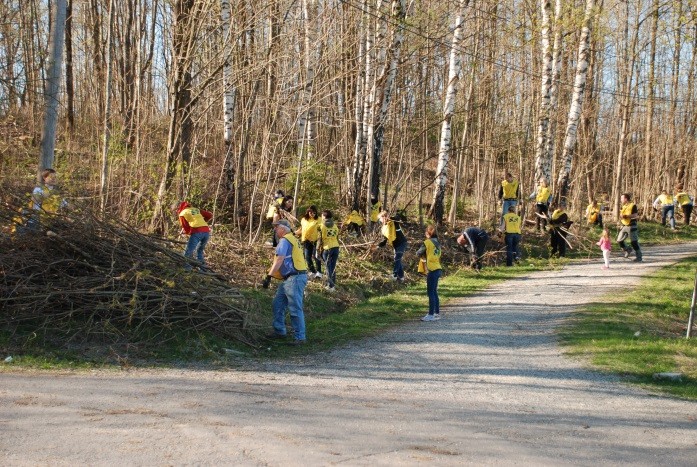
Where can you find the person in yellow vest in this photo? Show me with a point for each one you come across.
(509, 192)
(431, 250)
(281, 211)
(45, 198)
(392, 231)
(510, 226)
(329, 247)
(685, 201)
(354, 223)
(309, 234)
(290, 267)
(375, 207)
(194, 223)
(559, 222)
(665, 201)
(543, 198)
(593, 214)
(629, 228)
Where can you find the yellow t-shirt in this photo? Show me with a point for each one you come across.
(309, 229)
(512, 223)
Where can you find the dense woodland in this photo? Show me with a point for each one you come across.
(424, 104)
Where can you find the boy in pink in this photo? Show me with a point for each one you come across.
(605, 245)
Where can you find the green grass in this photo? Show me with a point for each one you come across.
(606, 332)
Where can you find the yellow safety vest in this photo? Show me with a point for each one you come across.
(433, 254)
(682, 198)
(543, 194)
(389, 231)
(557, 214)
(625, 214)
(50, 200)
(330, 236)
(592, 212)
(297, 254)
(510, 190)
(272, 207)
(375, 211)
(309, 229)
(193, 217)
(512, 223)
(665, 200)
(355, 218)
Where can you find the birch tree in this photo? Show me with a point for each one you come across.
(107, 110)
(437, 206)
(543, 161)
(576, 100)
(53, 83)
(385, 82)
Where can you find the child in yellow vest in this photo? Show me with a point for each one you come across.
(431, 249)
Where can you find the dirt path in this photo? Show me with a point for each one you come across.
(487, 384)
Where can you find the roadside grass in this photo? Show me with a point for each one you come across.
(642, 331)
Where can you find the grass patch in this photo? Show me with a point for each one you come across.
(642, 332)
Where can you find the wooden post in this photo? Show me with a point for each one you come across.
(692, 309)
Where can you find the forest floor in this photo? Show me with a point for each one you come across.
(486, 384)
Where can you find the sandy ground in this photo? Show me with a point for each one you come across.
(485, 385)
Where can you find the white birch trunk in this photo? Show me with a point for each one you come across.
(307, 125)
(228, 89)
(576, 100)
(543, 163)
(553, 91)
(107, 110)
(53, 86)
(437, 209)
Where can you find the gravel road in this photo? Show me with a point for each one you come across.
(485, 385)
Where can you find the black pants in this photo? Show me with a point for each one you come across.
(558, 242)
(687, 211)
(479, 246)
(309, 249)
(541, 208)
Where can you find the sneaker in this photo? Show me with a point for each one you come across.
(400, 279)
(638, 259)
(627, 253)
(605, 267)
(318, 275)
(430, 318)
(436, 317)
(330, 288)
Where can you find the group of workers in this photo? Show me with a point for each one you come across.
(304, 249)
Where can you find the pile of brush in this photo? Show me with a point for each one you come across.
(88, 278)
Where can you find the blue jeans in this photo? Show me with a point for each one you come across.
(330, 257)
(669, 212)
(196, 244)
(432, 289)
(512, 252)
(398, 269)
(290, 294)
(508, 203)
(309, 249)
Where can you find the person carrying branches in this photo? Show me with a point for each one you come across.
(392, 231)
(559, 223)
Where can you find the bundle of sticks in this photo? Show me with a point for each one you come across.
(84, 277)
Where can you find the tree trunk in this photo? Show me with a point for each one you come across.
(543, 161)
(107, 110)
(53, 83)
(576, 101)
(69, 84)
(437, 206)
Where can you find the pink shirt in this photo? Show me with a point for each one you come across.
(605, 244)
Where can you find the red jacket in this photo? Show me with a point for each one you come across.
(194, 218)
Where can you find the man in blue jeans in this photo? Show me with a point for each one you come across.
(291, 268)
(392, 231)
(510, 226)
